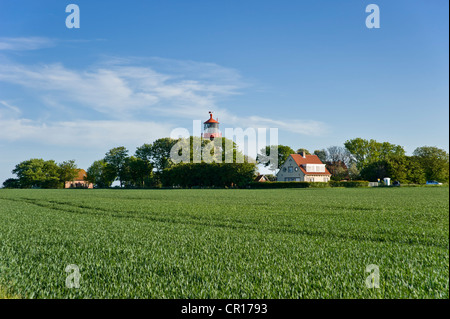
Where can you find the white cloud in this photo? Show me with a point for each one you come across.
(83, 133)
(25, 43)
(125, 93)
(119, 91)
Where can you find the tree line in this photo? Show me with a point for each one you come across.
(151, 166)
(42, 174)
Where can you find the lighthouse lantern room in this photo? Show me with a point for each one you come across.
(211, 128)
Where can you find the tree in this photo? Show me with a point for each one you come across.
(374, 171)
(283, 153)
(238, 155)
(359, 149)
(321, 154)
(67, 171)
(136, 171)
(303, 150)
(405, 169)
(11, 183)
(38, 173)
(397, 168)
(338, 154)
(116, 158)
(434, 161)
(337, 160)
(209, 175)
(220, 149)
(353, 172)
(415, 172)
(365, 152)
(157, 153)
(101, 174)
(338, 170)
(402, 168)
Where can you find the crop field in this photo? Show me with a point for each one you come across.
(273, 243)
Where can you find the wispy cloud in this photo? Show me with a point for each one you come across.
(131, 91)
(82, 133)
(304, 127)
(121, 91)
(25, 43)
(10, 107)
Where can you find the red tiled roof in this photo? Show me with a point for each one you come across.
(308, 159)
(80, 176)
(211, 120)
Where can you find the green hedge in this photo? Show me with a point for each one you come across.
(280, 184)
(259, 185)
(208, 175)
(349, 184)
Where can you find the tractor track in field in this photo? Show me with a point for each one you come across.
(69, 208)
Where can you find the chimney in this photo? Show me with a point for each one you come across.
(304, 154)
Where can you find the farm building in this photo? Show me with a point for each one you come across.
(79, 181)
(303, 168)
(261, 178)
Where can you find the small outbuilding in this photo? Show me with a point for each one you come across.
(261, 178)
(79, 181)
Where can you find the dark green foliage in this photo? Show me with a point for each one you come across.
(157, 153)
(101, 174)
(68, 171)
(349, 184)
(321, 154)
(366, 152)
(188, 175)
(269, 185)
(434, 161)
(374, 171)
(116, 158)
(379, 160)
(405, 169)
(38, 173)
(11, 183)
(136, 172)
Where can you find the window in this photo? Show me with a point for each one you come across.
(284, 169)
(290, 169)
(296, 169)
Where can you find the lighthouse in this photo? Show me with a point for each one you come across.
(211, 128)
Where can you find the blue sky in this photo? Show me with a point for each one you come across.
(135, 70)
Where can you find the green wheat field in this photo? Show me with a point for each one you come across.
(274, 243)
